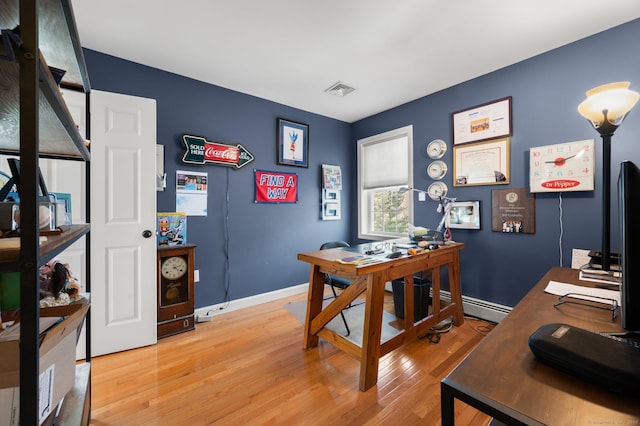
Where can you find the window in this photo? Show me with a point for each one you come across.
(385, 164)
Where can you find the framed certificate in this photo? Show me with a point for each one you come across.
(482, 163)
(487, 121)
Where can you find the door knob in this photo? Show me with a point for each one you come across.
(146, 233)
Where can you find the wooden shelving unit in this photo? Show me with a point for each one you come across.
(34, 123)
(49, 247)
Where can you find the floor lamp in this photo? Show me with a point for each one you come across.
(605, 108)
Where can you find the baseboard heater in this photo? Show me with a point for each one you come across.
(489, 311)
(478, 308)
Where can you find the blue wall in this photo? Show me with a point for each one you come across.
(264, 239)
(546, 91)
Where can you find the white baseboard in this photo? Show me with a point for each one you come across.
(474, 307)
(246, 302)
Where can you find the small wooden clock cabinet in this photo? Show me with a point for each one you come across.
(176, 267)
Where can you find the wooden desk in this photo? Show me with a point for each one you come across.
(502, 378)
(371, 278)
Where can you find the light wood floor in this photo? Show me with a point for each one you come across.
(248, 367)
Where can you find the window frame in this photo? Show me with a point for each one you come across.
(365, 196)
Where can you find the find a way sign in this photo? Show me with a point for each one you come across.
(201, 151)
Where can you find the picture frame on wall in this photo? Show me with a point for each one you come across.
(293, 143)
(491, 120)
(331, 204)
(464, 215)
(482, 163)
(331, 177)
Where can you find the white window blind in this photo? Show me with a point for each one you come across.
(387, 163)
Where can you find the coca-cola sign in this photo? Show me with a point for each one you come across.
(201, 151)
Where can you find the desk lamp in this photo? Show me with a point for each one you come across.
(605, 108)
(404, 189)
(444, 206)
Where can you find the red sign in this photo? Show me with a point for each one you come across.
(276, 187)
(560, 184)
(221, 153)
(201, 151)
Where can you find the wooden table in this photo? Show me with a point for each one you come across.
(502, 377)
(371, 279)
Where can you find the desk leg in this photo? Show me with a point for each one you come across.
(314, 305)
(372, 332)
(484, 404)
(455, 289)
(447, 402)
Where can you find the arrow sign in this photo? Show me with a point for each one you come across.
(200, 151)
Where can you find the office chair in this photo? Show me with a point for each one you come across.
(333, 281)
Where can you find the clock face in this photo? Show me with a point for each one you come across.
(437, 169)
(437, 190)
(436, 149)
(174, 267)
(562, 167)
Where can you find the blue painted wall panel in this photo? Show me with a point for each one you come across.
(546, 91)
(264, 239)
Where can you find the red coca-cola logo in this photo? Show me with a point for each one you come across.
(223, 153)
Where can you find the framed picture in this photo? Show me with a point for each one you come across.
(330, 195)
(331, 177)
(331, 204)
(487, 121)
(331, 211)
(63, 215)
(482, 163)
(293, 143)
(464, 215)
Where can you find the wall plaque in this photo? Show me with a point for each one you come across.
(513, 210)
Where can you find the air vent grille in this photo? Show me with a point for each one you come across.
(340, 89)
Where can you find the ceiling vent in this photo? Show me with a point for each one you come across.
(340, 89)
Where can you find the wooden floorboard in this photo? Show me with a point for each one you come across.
(248, 367)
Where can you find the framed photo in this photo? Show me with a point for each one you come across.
(331, 204)
(331, 211)
(487, 121)
(330, 195)
(464, 215)
(483, 163)
(331, 177)
(293, 143)
(63, 208)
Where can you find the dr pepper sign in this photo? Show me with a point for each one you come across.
(201, 151)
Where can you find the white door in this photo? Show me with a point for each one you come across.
(123, 209)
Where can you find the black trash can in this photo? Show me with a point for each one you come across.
(421, 298)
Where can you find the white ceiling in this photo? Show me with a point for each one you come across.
(290, 51)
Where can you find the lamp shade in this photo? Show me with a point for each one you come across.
(606, 106)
